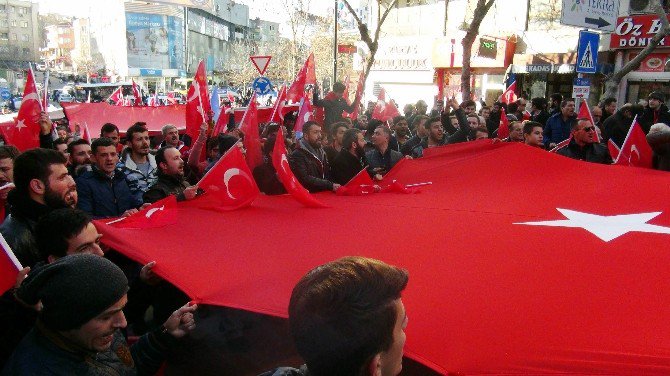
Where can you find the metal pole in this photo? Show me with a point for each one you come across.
(335, 49)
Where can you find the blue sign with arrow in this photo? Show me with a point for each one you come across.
(262, 86)
(587, 52)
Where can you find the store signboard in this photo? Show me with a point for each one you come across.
(637, 31)
(655, 62)
(599, 15)
(448, 52)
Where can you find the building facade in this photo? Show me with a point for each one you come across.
(19, 34)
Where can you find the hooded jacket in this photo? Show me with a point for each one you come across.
(311, 168)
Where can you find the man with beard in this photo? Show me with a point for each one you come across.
(140, 166)
(171, 139)
(104, 191)
(309, 163)
(336, 134)
(42, 184)
(351, 158)
(382, 158)
(79, 157)
(437, 136)
(170, 178)
(8, 154)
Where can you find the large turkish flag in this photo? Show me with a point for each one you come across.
(567, 274)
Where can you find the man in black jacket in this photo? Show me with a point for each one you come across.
(655, 111)
(351, 158)
(584, 145)
(334, 104)
(42, 184)
(616, 126)
(309, 163)
(436, 134)
(171, 179)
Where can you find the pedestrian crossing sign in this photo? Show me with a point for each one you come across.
(587, 52)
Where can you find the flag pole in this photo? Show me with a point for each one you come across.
(10, 253)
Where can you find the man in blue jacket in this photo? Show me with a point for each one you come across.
(559, 125)
(104, 191)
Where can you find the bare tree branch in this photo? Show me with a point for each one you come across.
(612, 84)
(482, 9)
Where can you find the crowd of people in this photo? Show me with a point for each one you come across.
(74, 299)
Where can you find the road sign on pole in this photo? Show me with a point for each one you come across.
(262, 86)
(599, 15)
(261, 63)
(581, 88)
(587, 52)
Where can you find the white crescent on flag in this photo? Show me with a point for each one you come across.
(229, 175)
(153, 211)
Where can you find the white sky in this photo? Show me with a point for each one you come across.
(77, 8)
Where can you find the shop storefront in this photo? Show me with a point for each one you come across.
(631, 35)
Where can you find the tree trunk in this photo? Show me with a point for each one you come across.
(483, 7)
(612, 83)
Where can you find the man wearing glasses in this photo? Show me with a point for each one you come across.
(584, 145)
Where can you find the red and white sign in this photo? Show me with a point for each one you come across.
(653, 62)
(261, 63)
(636, 31)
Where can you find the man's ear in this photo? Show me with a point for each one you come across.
(375, 366)
(37, 186)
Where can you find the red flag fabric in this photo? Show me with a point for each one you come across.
(585, 113)
(503, 128)
(390, 111)
(198, 109)
(635, 150)
(221, 122)
(378, 112)
(117, 96)
(25, 132)
(358, 185)
(286, 176)
(159, 214)
(297, 89)
(305, 114)
(9, 266)
(561, 145)
(310, 79)
(359, 93)
(509, 96)
(544, 287)
(86, 134)
(137, 95)
(230, 183)
(278, 109)
(252, 138)
(613, 149)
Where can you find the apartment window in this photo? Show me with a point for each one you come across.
(24, 37)
(12, 9)
(13, 23)
(3, 8)
(4, 23)
(24, 23)
(4, 36)
(14, 36)
(23, 10)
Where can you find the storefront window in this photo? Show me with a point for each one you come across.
(640, 90)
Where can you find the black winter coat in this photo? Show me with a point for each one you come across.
(596, 152)
(616, 128)
(313, 173)
(165, 186)
(19, 227)
(346, 166)
(648, 118)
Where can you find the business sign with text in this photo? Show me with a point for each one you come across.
(637, 31)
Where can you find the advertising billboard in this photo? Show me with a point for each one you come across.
(154, 41)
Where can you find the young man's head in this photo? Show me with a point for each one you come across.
(337, 133)
(80, 153)
(111, 131)
(532, 134)
(60, 146)
(473, 121)
(170, 135)
(485, 112)
(347, 318)
(400, 126)
(311, 132)
(41, 175)
(137, 137)
(481, 133)
(381, 137)
(469, 107)
(609, 105)
(421, 107)
(105, 156)
(82, 296)
(63, 132)
(556, 99)
(169, 161)
(418, 125)
(583, 132)
(354, 142)
(338, 88)
(435, 129)
(8, 154)
(212, 147)
(65, 232)
(538, 104)
(655, 100)
(568, 107)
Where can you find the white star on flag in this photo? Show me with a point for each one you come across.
(605, 227)
(20, 124)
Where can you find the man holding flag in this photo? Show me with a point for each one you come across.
(334, 104)
(584, 144)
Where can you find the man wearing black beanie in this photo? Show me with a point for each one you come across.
(77, 332)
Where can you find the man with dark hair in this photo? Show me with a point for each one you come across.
(334, 104)
(400, 134)
(616, 126)
(382, 158)
(469, 107)
(111, 131)
(584, 145)
(351, 159)
(559, 126)
(42, 184)
(265, 173)
(171, 179)
(140, 166)
(336, 134)
(78, 328)
(104, 191)
(60, 146)
(480, 133)
(437, 136)
(8, 154)
(608, 107)
(420, 132)
(309, 162)
(538, 110)
(80, 157)
(532, 134)
(365, 335)
(65, 232)
(555, 105)
(654, 112)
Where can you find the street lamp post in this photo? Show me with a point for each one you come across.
(335, 48)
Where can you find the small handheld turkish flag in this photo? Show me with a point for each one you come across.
(137, 95)
(509, 96)
(198, 108)
(311, 70)
(503, 128)
(635, 150)
(9, 266)
(305, 114)
(25, 133)
(360, 184)
(278, 110)
(117, 96)
(229, 183)
(297, 89)
(613, 149)
(252, 139)
(159, 214)
(286, 176)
